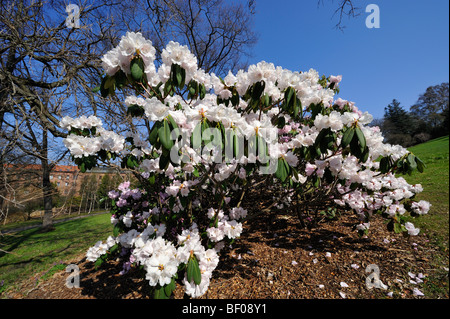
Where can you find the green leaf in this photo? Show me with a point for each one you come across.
(131, 162)
(297, 110)
(319, 137)
(282, 169)
(98, 262)
(135, 110)
(110, 82)
(197, 136)
(184, 201)
(235, 99)
(121, 79)
(114, 249)
(315, 109)
(288, 96)
(397, 228)
(384, 165)
(347, 137)
(164, 135)
(172, 122)
(390, 225)
(361, 138)
(355, 147)
(316, 181)
(365, 155)
(168, 88)
(137, 68)
(164, 160)
(266, 100)
(195, 172)
(177, 75)
(83, 167)
(103, 90)
(202, 91)
(235, 145)
(181, 77)
(193, 271)
(193, 89)
(420, 165)
(169, 288)
(116, 231)
(280, 122)
(160, 293)
(327, 140)
(258, 89)
(153, 135)
(206, 138)
(412, 162)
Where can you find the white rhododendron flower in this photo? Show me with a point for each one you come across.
(411, 229)
(161, 266)
(266, 129)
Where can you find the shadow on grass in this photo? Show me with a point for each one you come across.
(12, 242)
(34, 245)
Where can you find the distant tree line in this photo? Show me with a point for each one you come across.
(425, 120)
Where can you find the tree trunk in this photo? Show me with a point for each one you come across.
(81, 201)
(47, 223)
(70, 206)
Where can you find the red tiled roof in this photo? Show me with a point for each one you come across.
(65, 168)
(57, 168)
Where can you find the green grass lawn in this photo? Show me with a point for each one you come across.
(32, 251)
(435, 180)
(38, 221)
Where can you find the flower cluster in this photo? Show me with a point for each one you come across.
(100, 248)
(80, 123)
(89, 137)
(144, 233)
(211, 139)
(131, 45)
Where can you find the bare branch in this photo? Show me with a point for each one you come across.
(344, 8)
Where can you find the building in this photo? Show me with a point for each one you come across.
(21, 185)
(66, 178)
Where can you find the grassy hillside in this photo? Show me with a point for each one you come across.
(435, 181)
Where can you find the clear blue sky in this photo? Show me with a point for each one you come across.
(407, 54)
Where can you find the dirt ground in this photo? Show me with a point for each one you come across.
(275, 258)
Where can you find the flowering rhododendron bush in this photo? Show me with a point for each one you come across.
(199, 143)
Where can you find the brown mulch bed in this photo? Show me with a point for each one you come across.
(275, 258)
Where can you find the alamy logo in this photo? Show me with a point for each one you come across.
(73, 281)
(73, 20)
(373, 280)
(373, 19)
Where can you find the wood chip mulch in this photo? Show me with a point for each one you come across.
(275, 258)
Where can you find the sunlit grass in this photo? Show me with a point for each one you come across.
(435, 181)
(32, 251)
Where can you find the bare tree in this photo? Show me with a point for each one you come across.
(344, 8)
(219, 33)
(48, 69)
(8, 180)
